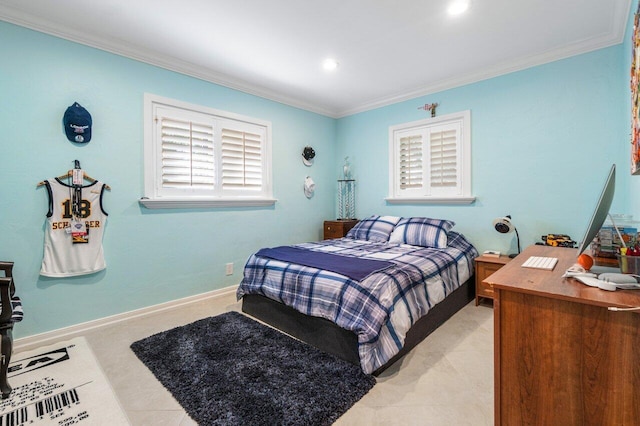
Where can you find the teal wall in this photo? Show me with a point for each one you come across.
(152, 256)
(542, 142)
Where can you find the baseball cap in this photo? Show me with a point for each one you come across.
(307, 155)
(77, 123)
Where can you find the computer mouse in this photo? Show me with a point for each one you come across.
(613, 277)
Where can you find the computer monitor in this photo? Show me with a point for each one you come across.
(601, 211)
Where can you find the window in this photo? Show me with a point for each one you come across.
(200, 157)
(430, 160)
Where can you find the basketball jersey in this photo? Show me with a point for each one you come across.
(68, 254)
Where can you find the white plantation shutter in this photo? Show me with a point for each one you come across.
(197, 156)
(411, 162)
(443, 161)
(188, 156)
(241, 160)
(430, 159)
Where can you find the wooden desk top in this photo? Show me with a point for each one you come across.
(514, 277)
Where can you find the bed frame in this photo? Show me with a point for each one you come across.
(329, 337)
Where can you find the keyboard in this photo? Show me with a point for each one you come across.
(539, 262)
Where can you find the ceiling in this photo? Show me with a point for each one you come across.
(388, 50)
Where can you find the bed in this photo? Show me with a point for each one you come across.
(369, 297)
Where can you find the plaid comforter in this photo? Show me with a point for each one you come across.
(379, 309)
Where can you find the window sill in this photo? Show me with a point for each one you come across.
(431, 200)
(191, 203)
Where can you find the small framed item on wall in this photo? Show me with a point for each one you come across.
(635, 95)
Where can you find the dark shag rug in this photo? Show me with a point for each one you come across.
(232, 370)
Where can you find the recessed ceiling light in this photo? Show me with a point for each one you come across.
(456, 7)
(330, 64)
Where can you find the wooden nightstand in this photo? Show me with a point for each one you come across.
(485, 266)
(338, 228)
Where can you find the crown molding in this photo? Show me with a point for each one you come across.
(616, 36)
(621, 16)
(154, 58)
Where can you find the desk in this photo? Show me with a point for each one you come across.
(560, 356)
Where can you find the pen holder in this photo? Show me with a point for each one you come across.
(629, 264)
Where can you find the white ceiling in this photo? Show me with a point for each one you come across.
(388, 50)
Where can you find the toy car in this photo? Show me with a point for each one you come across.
(558, 240)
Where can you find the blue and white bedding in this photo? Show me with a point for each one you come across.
(380, 308)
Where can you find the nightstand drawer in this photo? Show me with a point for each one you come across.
(337, 228)
(484, 289)
(485, 266)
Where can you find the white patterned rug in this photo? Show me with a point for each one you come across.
(62, 385)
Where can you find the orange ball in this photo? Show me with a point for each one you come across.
(585, 261)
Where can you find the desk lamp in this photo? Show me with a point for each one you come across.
(504, 226)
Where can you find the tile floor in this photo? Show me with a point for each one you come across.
(446, 380)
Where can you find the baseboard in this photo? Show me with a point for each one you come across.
(49, 337)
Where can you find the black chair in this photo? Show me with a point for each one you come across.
(11, 312)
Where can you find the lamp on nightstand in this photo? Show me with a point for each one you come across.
(504, 226)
